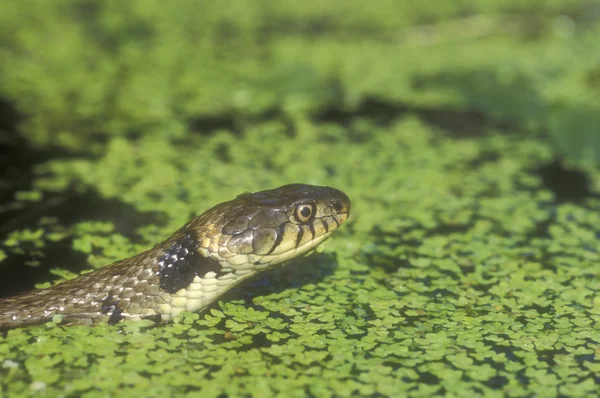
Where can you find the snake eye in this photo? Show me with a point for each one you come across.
(304, 213)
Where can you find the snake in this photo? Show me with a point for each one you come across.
(195, 266)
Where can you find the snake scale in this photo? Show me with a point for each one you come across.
(196, 265)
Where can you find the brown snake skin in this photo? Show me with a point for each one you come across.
(196, 265)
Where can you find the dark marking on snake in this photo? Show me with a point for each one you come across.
(311, 227)
(279, 232)
(337, 224)
(109, 306)
(299, 236)
(181, 263)
(156, 318)
(325, 225)
(211, 265)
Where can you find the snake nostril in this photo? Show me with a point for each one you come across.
(338, 206)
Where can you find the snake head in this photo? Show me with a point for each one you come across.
(262, 229)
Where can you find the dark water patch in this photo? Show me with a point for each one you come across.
(505, 348)
(72, 206)
(459, 123)
(235, 122)
(206, 124)
(522, 377)
(381, 112)
(428, 378)
(496, 382)
(17, 158)
(541, 230)
(483, 158)
(446, 229)
(493, 102)
(547, 356)
(357, 336)
(17, 274)
(440, 294)
(568, 186)
(415, 321)
(319, 25)
(364, 311)
(9, 116)
(389, 264)
(260, 341)
(66, 209)
(539, 309)
(394, 239)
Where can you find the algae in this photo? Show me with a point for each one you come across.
(465, 268)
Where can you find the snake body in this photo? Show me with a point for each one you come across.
(196, 265)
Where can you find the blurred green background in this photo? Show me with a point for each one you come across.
(465, 133)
